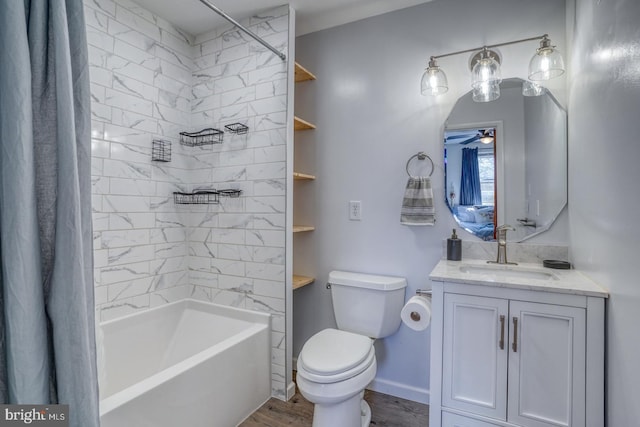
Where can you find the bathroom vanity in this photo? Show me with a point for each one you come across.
(515, 346)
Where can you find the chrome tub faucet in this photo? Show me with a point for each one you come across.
(502, 245)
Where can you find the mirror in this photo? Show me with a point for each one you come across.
(506, 162)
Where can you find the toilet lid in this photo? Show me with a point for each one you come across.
(332, 351)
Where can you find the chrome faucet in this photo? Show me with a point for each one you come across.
(502, 245)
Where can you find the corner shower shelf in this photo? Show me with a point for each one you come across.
(203, 197)
(302, 74)
(230, 193)
(299, 124)
(303, 228)
(300, 281)
(303, 176)
(207, 136)
(237, 128)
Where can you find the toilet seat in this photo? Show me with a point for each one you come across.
(333, 355)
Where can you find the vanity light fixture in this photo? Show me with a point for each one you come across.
(547, 63)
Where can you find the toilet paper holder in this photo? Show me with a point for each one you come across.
(415, 316)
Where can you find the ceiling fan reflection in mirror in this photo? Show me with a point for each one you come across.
(468, 136)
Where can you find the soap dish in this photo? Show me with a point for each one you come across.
(554, 263)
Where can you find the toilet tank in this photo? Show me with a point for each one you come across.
(367, 304)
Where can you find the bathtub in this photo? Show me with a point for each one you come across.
(188, 363)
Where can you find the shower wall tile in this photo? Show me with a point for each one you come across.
(165, 296)
(235, 81)
(113, 310)
(140, 89)
(151, 80)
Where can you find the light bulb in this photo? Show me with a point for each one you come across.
(434, 81)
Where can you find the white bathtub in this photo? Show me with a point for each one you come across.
(188, 363)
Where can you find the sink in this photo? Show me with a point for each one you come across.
(497, 272)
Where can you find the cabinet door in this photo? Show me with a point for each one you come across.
(546, 365)
(474, 371)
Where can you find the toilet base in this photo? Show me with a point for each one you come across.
(353, 412)
(365, 412)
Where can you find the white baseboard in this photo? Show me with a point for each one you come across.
(403, 391)
(291, 390)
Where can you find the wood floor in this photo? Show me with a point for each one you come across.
(387, 411)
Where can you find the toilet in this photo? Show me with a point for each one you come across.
(335, 365)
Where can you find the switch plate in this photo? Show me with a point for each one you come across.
(355, 210)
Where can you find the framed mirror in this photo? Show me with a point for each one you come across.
(506, 162)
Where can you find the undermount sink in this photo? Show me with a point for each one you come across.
(498, 271)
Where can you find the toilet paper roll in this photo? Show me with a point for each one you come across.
(416, 313)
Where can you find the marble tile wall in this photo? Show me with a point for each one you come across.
(516, 252)
(151, 80)
(141, 77)
(237, 248)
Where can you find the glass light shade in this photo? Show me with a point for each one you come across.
(486, 137)
(532, 89)
(485, 71)
(486, 92)
(546, 64)
(434, 81)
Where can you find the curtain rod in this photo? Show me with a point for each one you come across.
(217, 10)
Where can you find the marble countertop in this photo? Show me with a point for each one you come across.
(480, 273)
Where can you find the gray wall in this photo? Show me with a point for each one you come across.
(370, 119)
(603, 182)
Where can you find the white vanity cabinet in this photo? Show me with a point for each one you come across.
(509, 354)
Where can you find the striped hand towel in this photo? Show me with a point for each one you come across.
(417, 205)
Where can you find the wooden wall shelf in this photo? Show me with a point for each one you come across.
(303, 176)
(303, 228)
(299, 124)
(300, 281)
(302, 74)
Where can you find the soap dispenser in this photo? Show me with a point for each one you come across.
(454, 247)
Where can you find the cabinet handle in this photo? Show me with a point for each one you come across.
(501, 344)
(514, 346)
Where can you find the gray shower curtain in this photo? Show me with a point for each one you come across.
(47, 344)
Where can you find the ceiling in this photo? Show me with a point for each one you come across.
(311, 15)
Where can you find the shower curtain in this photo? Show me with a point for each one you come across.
(47, 344)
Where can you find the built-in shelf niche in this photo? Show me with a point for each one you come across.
(302, 75)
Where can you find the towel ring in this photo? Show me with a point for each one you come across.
(421, 156)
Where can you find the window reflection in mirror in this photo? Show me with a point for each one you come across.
(470, 168)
